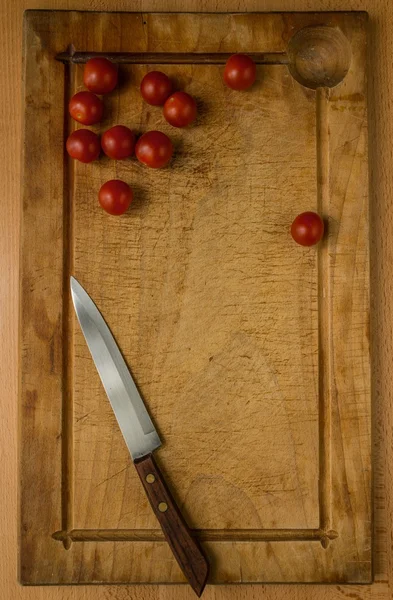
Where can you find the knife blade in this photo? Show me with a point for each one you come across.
(139, 434)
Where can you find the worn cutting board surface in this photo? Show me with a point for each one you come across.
(251, 352)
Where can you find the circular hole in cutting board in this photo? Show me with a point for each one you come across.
(319, 56)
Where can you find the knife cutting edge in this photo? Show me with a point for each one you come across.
(140, 436)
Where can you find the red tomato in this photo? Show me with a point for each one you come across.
(118, 142)
(115, 196)
(154, 149)
(156, 87)
(180, 109)
(83, 145)
(86, 108)
(307, 229)
(240, 72)
(100, 75)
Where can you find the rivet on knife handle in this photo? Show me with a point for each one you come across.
(184, 546)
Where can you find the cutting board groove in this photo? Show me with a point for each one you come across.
(167, 58)
(325, 384)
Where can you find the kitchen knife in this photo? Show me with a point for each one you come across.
(140, 436)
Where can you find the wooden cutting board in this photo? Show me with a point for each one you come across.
(252, 353)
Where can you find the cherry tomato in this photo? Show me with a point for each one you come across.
(154, 149)
(115, 196)
(83, 145)
(156, 87)
(118, 142)
(307, 229)
(100, 75)
(240, 72)
(180, 109)
(86, 108)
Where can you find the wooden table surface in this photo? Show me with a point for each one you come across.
(381, 163)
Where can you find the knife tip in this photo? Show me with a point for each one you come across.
(75, 288)
(73, 283)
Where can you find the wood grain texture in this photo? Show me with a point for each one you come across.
(381, 13)
(252, 353)
(184, 546)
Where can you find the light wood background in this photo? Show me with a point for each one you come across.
(381, 157)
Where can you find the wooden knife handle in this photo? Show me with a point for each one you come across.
(183, 545)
